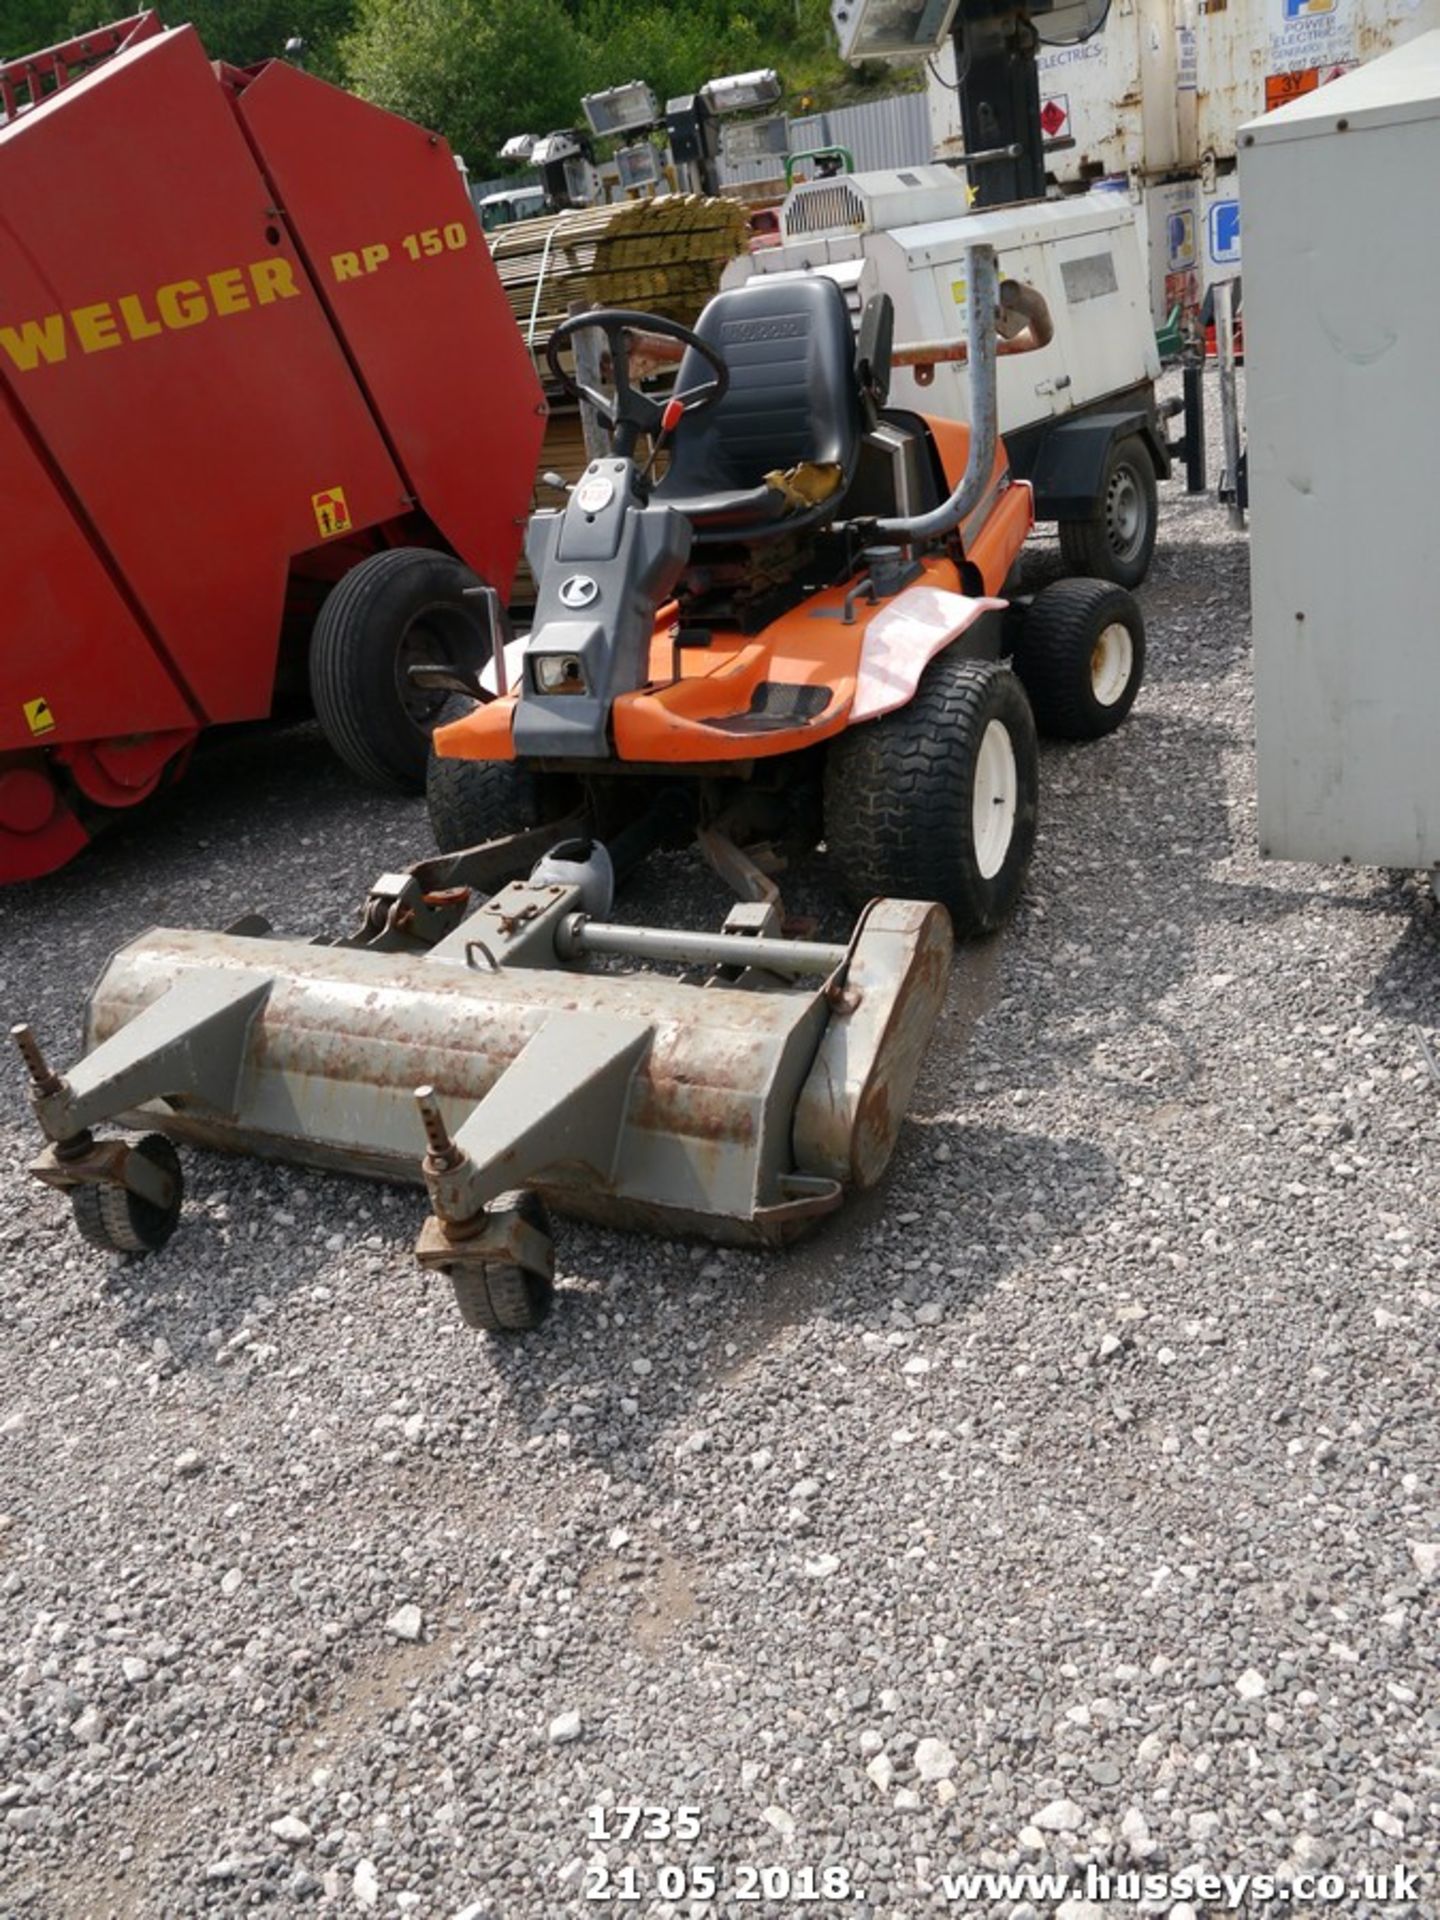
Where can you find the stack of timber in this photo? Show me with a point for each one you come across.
(663, 255)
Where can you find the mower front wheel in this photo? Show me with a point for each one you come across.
(504, 1297)
(939, 800)
(396, 610)
(118, 1221)
(472, 801)
(1080, 655)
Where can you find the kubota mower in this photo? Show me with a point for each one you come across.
(264, 415)
(800, 625)
(806, 605)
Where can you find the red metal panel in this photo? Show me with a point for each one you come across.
(393, 243)
(69, 640)
(159, 330)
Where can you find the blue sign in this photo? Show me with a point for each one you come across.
(1303, 9)
(1180, 240)
(1224, 233)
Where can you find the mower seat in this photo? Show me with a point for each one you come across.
(794, 397)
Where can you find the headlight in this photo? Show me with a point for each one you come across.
(559, 673)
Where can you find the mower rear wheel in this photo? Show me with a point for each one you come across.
(122, 1222)
(938, 800)
(396, 610)
(506, 1298)
(1080, 653)
(472, 801)
(1116, 540)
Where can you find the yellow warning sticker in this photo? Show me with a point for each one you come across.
(38, 716)
(332, 513)
(957, 292)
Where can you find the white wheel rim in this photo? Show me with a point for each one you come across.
(1112, 660)
(996, 798)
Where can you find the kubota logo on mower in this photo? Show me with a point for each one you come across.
(332, 512)
(579, 591)
(173, 308)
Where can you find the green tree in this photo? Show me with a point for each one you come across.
(246, 31)
(240, 31)
(475, 72)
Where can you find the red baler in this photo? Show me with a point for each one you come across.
(251, 345)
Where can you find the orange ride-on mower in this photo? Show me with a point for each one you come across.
(799, 627)
(796, 630)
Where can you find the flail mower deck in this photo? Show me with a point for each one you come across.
(798, 630)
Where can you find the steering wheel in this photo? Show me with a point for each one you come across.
(629, 413)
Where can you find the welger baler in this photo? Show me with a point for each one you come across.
(251, 346)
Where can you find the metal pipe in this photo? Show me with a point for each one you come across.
(981, 300)
(1194, 381)
(1229, 395)
(1017, 296)
(578, 936)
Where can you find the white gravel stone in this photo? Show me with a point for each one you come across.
(1426, 1555)
(933, 1760)
(1059, 1816)
(365, 1885)
(1135, 1831)
(135, 1669)
(1309, 1851)
(406, 1623)
(1251, 1685)
(782, 1820)
(565, 1727)
(822, 1566)
(189, 1463)
(291, 1829)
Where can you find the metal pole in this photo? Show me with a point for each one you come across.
(1229, 395)
(1193, 376)
(577, 936)
(585, 346)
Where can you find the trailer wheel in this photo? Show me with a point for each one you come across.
(472, 801)
(1080, 655)
(123, 1222)
(938, 800)
(395, 610)
(506, 1299)
(1115, 542)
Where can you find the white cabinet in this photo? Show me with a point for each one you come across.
(1342, 293)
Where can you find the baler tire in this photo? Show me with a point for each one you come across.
(506, 1298)
(119, 1221)
(1105, 545)
(900, 796)
(401, 608)
(1080, 655)
(472, 801)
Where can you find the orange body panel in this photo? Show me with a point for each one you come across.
(672, 721)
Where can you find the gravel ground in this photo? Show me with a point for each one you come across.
(1075, 1497)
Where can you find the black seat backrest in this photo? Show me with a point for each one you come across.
(793, 392)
